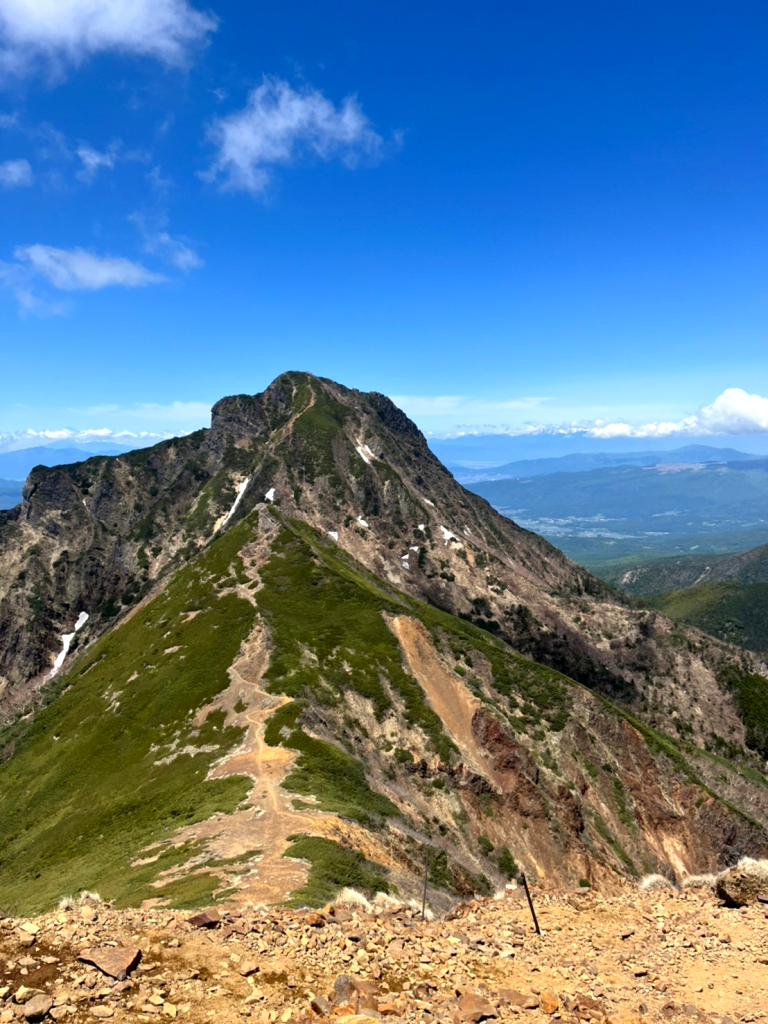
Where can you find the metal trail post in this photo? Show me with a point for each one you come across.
(426, 879)
(530, 903)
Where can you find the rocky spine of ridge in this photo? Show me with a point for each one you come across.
(96, 537)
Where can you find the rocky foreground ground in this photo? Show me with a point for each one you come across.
(639, 956)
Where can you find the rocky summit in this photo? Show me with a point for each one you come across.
(290, 654)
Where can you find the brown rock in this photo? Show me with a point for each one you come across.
(315, 920)
(205, 919)
(549, 1002)
(738, 887)
(473, 1008)
(24, 994)
(102, 1011)
(248, 968)
(37, 1007)
(319, 1006)
(115, 961)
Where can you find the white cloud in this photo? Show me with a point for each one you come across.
(279, 125)
(735, 411)
(159, 242)
(15, 440)
(78, 269)
(93, 161)
(55, 33)
(15, 174)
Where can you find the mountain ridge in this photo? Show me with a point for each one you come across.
(310, 620)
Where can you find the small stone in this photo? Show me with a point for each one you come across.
(549, 1002)
(473, 1008)
(320, 1006)
(627, 933)
(24, 994)
(37, 1007)
(248, 968)
(115, 961)
(102, 1011)
(169, 1009)
(205, 919)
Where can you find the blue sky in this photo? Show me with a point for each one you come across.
(499, 213)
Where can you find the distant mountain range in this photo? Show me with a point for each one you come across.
(666, 509)
(17, 465)
(582, 462)
(10, 493)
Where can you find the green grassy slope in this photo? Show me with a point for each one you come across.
(648, 576)
(735, 612)
(114, 762)
(84, 792)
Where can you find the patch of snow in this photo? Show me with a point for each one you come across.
(66, 643)
(405, 557)
(421, 526)
(238, 498)
(428, 502)
(414, 549)
(465, 531)
(361, 453)
(270, 495)
(362, 522)
(447, 535)
(332, 533)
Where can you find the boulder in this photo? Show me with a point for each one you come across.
(740, 886)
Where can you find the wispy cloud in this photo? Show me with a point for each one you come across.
(51, 35)
(17, 439)
(77, 269)
(138, 424)
(93, 161)
(15, 174)
(159, 242)
(67, 270)
(280, 125)
(735, 411)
